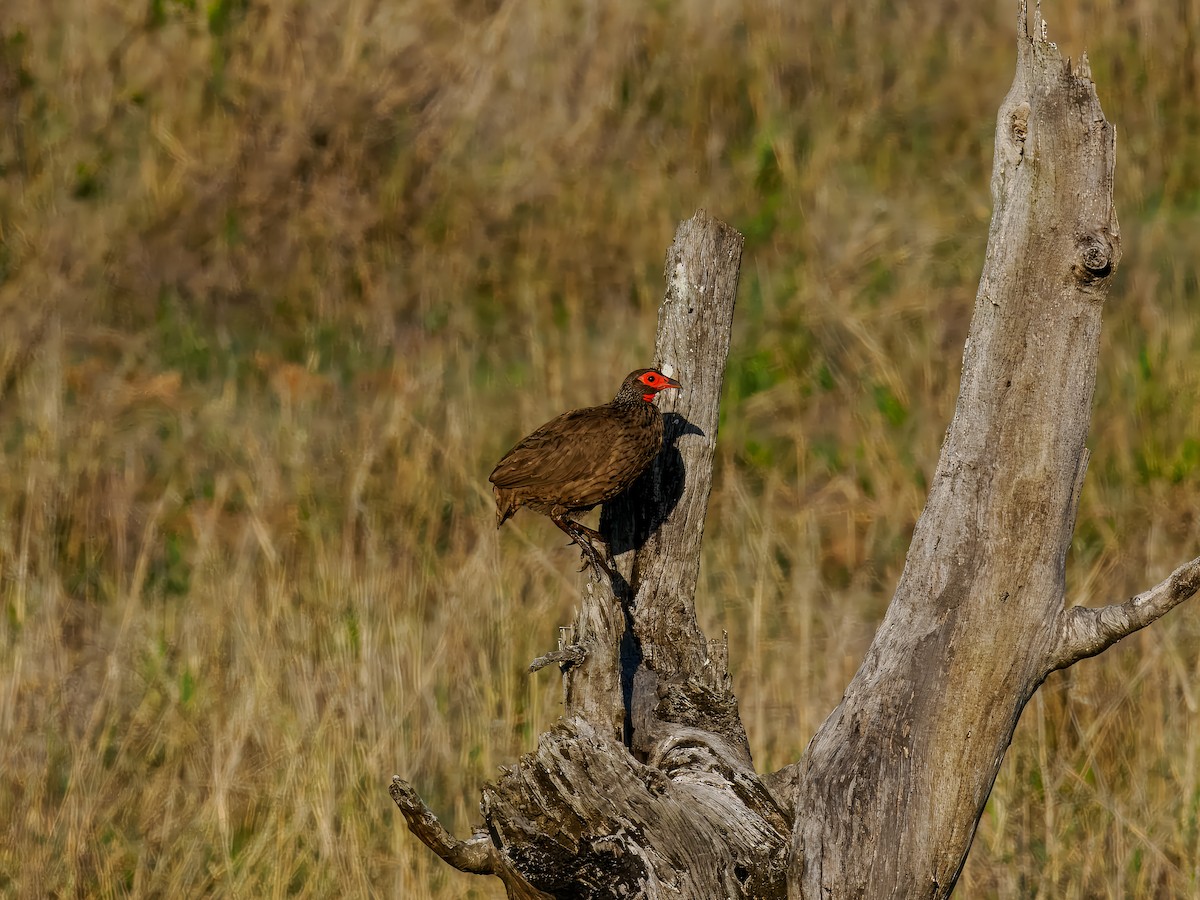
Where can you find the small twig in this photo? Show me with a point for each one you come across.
(566, 657)
(1085, 631)
(476, 854)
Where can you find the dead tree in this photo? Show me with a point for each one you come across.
(645, 788)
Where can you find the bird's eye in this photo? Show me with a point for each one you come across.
(650, 379)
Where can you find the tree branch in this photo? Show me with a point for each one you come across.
(673, 675)
(646, 787)
(476, 855)
(643, 618)
(890, 790)
(1085, 631)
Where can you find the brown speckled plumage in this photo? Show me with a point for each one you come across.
(583, 457)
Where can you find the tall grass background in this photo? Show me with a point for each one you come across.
(280, 281)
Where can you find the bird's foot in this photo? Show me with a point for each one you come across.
(590, 555)
(587, 539)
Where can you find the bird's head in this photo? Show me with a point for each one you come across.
(645, 384)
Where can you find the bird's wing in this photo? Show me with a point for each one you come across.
(571, 447)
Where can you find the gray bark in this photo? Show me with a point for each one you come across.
(646, 787)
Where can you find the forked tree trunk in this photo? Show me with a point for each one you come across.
(646, 787)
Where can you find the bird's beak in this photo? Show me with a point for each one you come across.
(671, 383)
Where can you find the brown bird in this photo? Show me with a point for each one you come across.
(584, 457)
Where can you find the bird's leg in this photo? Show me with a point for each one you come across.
(590, 533)
(586, 539)
(582, 537)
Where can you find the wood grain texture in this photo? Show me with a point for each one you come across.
(646, 786)
(891, 788)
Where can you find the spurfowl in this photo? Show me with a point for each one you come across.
(584, 457)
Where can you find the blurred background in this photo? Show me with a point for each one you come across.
(280, 280)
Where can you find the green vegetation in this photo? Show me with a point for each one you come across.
(280, 282)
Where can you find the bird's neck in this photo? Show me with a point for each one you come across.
(633, 399)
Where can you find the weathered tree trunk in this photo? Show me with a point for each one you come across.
(893, 784)
(646, 787)
(647, 783)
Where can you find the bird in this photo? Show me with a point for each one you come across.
(583, 458)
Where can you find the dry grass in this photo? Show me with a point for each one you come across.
(279, 282)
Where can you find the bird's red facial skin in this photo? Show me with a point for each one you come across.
(657, 381)
(649, 398)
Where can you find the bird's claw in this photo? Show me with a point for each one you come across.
(590, 556)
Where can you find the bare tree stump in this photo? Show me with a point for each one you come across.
(646, 787)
